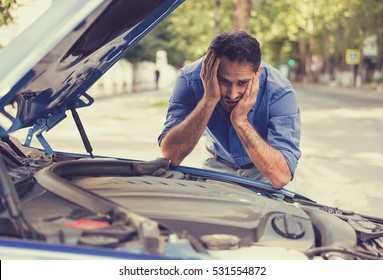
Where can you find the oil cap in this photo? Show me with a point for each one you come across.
(288, 226)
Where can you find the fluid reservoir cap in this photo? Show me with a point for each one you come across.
(221, 241)
(288, 226)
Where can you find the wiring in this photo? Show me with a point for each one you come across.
(355, 253)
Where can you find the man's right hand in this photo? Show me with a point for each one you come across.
(209, 77)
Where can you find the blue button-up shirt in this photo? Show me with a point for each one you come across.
(275, 115)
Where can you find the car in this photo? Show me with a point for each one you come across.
(63, 205)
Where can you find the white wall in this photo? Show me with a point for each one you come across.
(117, 80)
(124, 78)
(145, 79)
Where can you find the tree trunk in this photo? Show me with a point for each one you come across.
(301, 69)
(217, 17)
(242, 15)
(379, 62)
(379, 59)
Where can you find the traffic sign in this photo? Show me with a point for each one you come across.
(353, 56)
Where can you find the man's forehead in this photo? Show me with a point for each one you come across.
(234, 79)
(235, 71)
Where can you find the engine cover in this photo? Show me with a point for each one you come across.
(208, 208)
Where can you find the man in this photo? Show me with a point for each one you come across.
(245, 108)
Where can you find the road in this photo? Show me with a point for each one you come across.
(342, 146)
(342, 140)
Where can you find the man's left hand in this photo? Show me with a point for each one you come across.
(243, 107)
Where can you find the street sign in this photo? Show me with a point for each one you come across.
(353, 56)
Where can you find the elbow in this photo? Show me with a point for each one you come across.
(280, 180)
(281, 175)
(171, 155)
(174, 162)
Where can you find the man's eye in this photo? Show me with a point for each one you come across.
(224, 82)
(242, 83)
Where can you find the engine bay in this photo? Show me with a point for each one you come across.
(150, 208)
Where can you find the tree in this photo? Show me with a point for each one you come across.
(242, 15)
(313, 33)
(5, 11)
(187, 32)
(370, 13)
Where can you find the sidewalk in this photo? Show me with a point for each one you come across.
(363, 92)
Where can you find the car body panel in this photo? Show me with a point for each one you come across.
(78, 41)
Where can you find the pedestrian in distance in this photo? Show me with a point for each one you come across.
(246, 110)
(157, 74)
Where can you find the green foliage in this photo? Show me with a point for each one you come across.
(186, 33)
(5, 11)
(160, 39)
(286, 29)
(160, 104)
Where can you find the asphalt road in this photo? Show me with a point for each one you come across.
(342, 140)
(342, 146)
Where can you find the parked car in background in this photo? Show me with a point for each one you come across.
(57, 204)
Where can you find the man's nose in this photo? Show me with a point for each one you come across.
(233, 92)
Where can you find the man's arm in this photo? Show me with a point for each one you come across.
(181, 139)
(267, 159)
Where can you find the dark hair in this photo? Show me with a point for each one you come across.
(239, 47)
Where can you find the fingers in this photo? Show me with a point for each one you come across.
(203, 69)
(205, 64)
(253, 85)
(250, 95)
(215, 66)
(210, 65)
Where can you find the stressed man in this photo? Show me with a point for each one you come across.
(244, 107)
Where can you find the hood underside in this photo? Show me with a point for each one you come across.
(73, 45)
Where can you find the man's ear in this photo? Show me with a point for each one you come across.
(259, 69)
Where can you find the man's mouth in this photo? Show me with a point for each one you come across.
(228, 105)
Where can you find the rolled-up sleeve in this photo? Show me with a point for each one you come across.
(284, 129)
(181, 103)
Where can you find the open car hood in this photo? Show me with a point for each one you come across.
(50, 66)
(119, 208)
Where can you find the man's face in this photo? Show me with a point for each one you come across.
(233, 78)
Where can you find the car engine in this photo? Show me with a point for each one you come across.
(151, 208)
